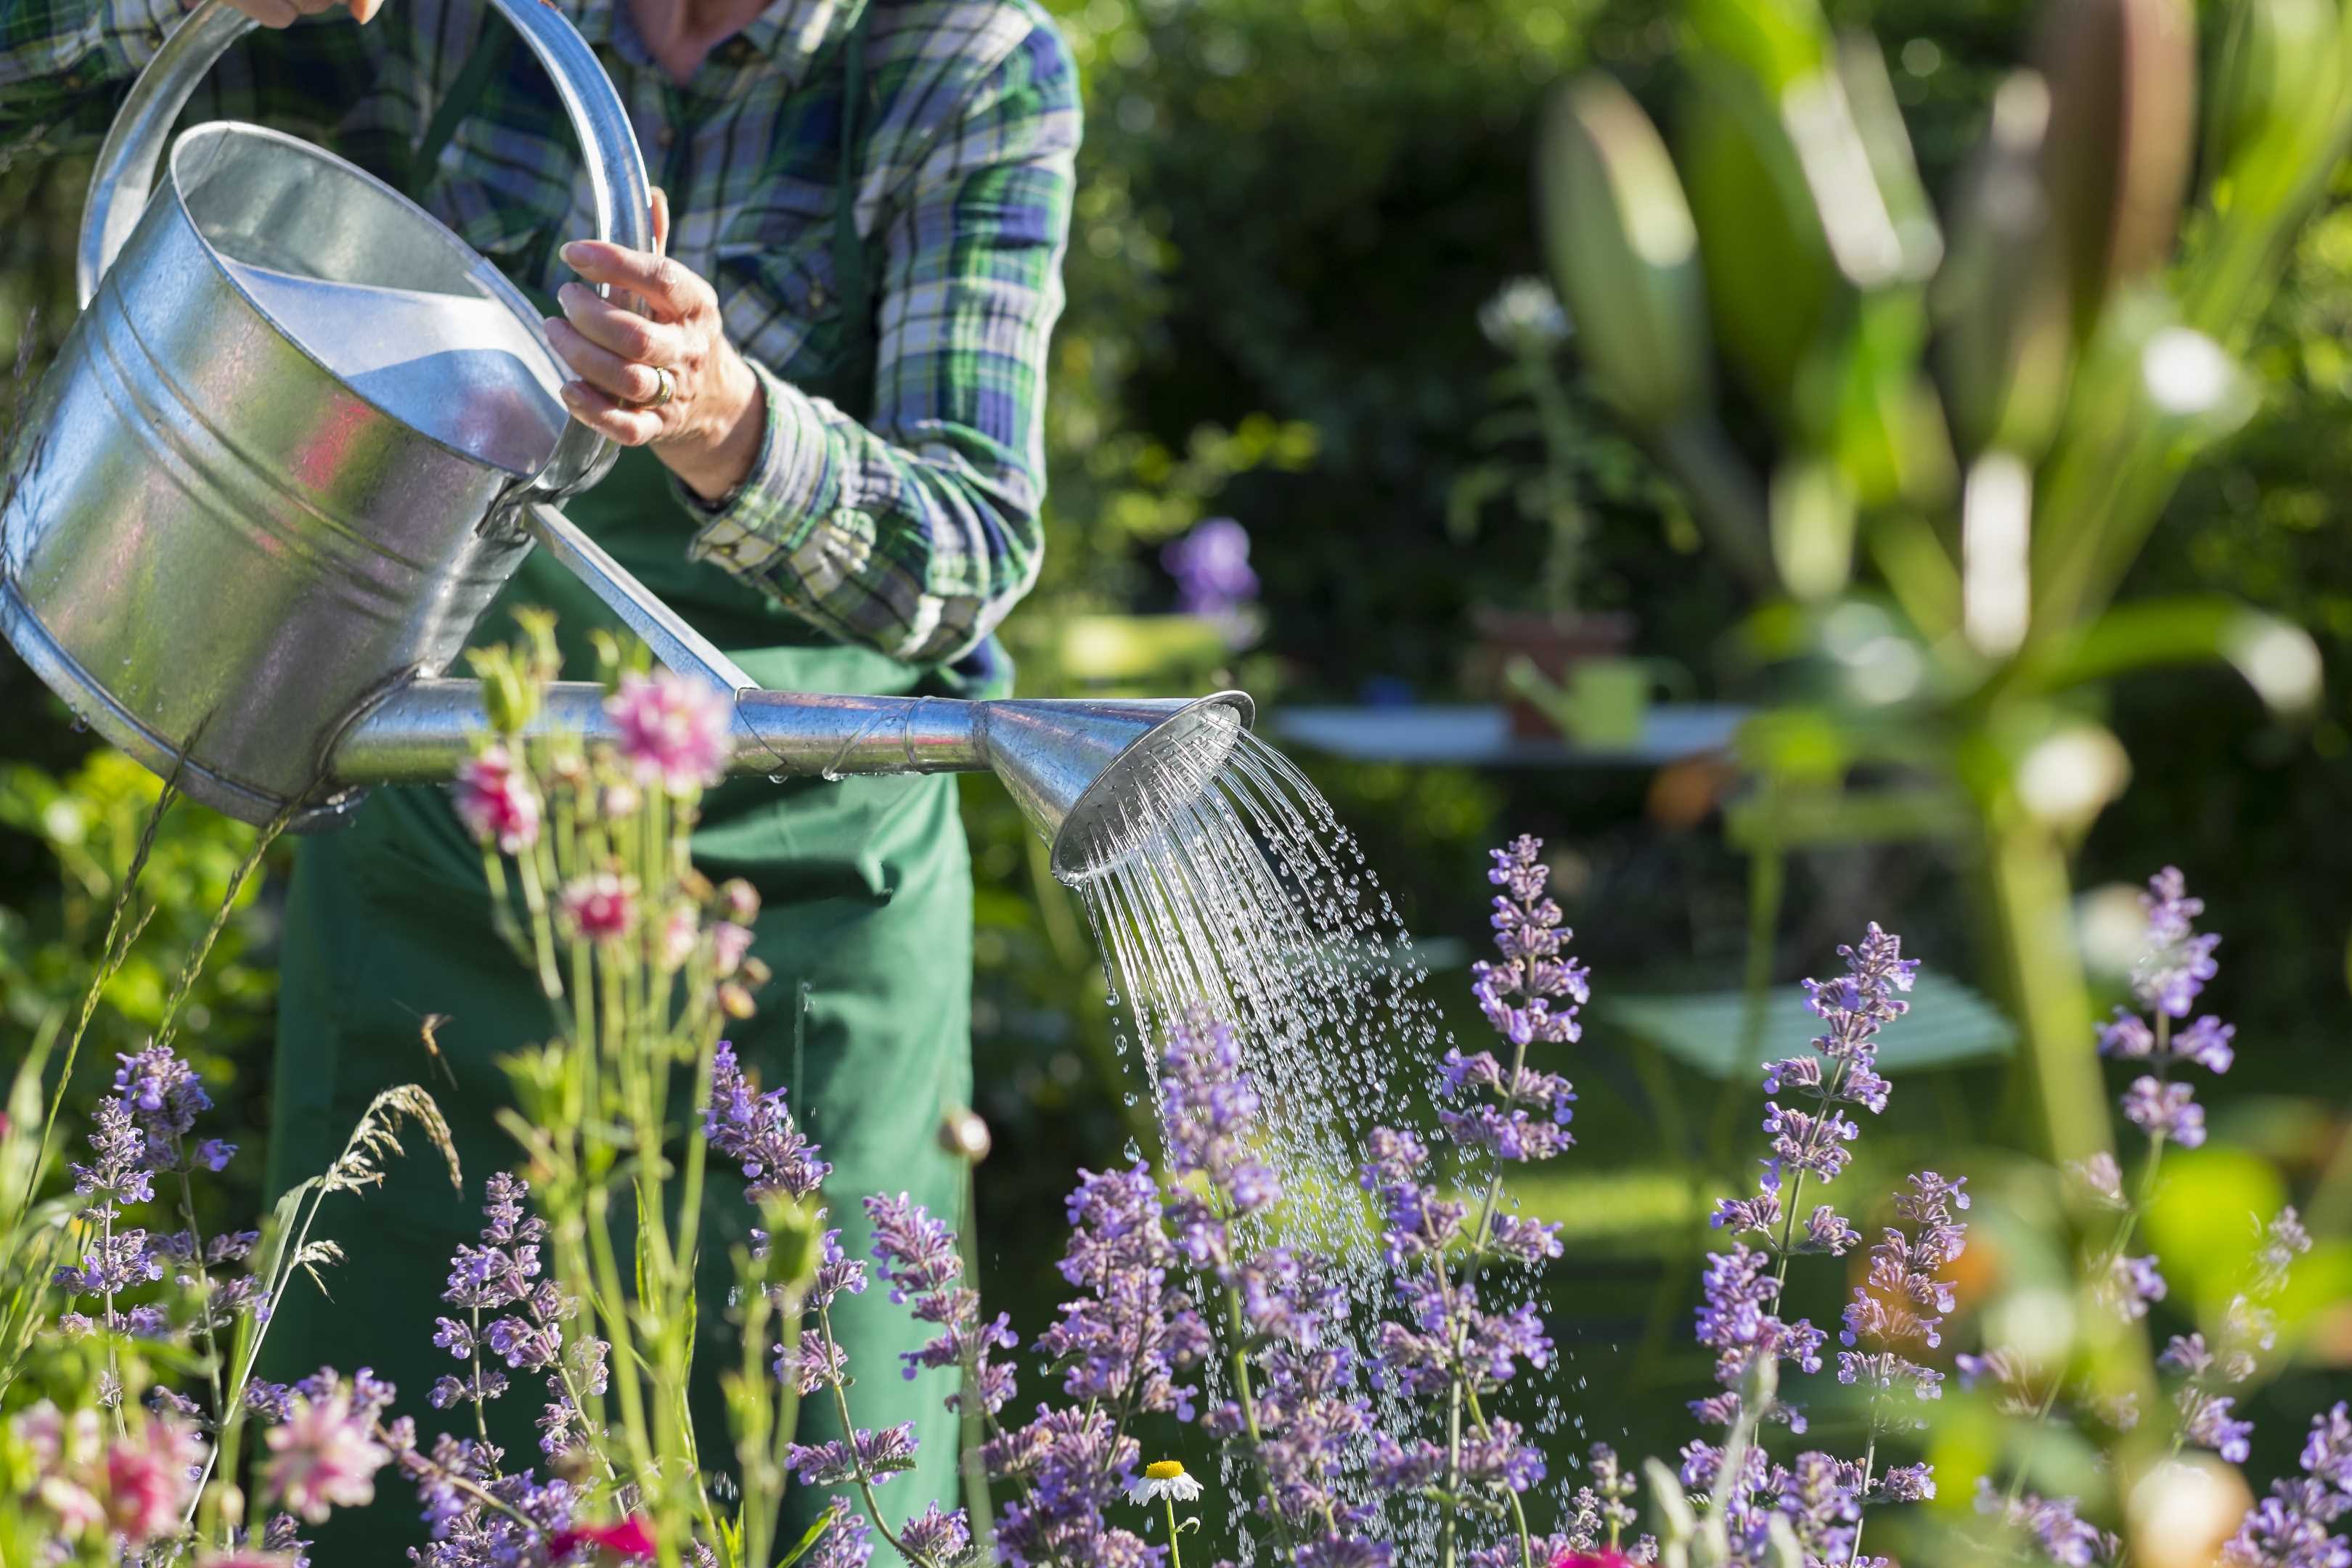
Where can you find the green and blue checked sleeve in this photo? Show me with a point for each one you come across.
(917, 531)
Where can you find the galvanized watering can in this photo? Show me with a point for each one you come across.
(301, 435)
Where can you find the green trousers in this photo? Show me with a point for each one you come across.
(867, 923)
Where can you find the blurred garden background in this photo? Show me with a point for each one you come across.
(1289, 219)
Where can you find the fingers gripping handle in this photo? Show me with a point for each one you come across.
(617, 170)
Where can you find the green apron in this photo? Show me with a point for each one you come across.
(865, 922)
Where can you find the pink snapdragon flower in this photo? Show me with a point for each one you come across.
(602, 907)
(326, 1457)
(149, 1478)
(672, 732)
(497, 802)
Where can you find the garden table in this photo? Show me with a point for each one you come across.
(1480, 735)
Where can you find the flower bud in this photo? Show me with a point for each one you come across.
(735, 1000)
(963, 1134)
(1624, 252)
(618, 800)
(742, 899)
(795, 1237)
(509, 696)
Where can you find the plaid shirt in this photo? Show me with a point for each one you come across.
(913, 532)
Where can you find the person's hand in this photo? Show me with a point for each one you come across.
(662, 374)
(286, 13)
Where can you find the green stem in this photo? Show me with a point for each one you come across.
(849, 1437)
(1175, 1553)
(1862, 1498)
(1237, 1325)
(204, 1275)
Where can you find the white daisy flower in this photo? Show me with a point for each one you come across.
(1164, 1478)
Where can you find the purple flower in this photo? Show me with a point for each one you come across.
(2130, 1285)
(2290, 1528)
(1124, 1343)
(1736, 1321)
(2052, 1523)
(1853, 1008)
(2179, 961)
(164, 1098)
(121, 1174)
(844, 1543)
(941, 1537)
(874, 1456)
(464, 1532)
(1534, 991)
(1417, 1221)
(1077, 1465)
(920, 1258)
(2206, 1422)
(756, 1131)
(1211, 565)
(2166, 1111)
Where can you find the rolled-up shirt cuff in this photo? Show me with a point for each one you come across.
(137, 27)
(793, 483)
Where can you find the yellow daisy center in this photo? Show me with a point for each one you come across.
(1163, 1470)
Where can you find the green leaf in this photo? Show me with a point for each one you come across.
(1948, 1025)
(2005, 341)
(1623, 249)
(809, 1538)
(1775, 42)
(1770, 283)
(2276, 658)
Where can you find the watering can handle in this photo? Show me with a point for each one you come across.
(617, 170)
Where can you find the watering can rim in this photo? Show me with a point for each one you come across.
(1067, 843)
(475, 265)
(612, 166)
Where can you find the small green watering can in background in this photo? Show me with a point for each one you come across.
(1600, 704)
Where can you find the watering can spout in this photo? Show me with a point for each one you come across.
(1095, 777)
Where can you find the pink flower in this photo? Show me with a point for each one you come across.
(326, 1459)
(678, 935)
(672, 731)
(148, 1478)
(630, 1539)
(496, 801)
(66, 1450)
(728, 944)
(600, 908)
(1592, 1560)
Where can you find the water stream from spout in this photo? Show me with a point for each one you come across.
(1249, 897)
